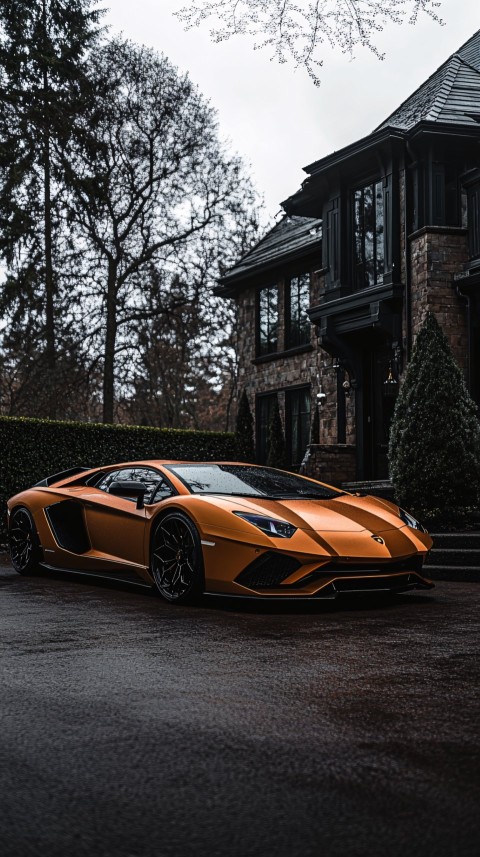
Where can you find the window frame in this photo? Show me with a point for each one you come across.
(473, 221)
(261, 437)
(262, 349)
(301, 443)
(298, 341)
(360, 260)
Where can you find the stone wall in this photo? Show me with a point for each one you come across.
(281, 370)
(331, 463)
(437, 253)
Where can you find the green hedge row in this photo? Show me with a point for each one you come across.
(31, 449)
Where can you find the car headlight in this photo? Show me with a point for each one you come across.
(410, 521)
(270, 526)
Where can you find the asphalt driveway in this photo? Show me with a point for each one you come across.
(131, 727)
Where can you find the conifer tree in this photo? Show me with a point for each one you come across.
(315, 432)
(277, 456)
(43, 85)
(244, 430)
(434, 449)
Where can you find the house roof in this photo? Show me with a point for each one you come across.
(449, 99)
(450, 95)
(290, 238)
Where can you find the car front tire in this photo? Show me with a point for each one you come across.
(23, 542)
(176, 563)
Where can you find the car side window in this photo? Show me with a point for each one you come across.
(161, 492)
(152, 480)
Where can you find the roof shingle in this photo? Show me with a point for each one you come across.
(289, 237)
(451, 94)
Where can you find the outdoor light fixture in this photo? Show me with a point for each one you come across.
(390, 385)
(349, 383)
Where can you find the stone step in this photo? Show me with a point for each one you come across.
(468, 539)
(454, 556)
(453, 572)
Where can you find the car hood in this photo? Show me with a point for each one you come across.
(345, 513)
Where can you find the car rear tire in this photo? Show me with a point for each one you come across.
(176, 562)
(23, 542)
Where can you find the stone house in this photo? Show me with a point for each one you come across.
(329, 302)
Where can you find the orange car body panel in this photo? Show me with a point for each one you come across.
(360, 531)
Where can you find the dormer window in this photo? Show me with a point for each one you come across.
(369, 230)
(267, 320)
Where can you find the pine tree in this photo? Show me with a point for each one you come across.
(244, 430)
(315, 431)
(277, 456)
(434, 449)
(43, 44)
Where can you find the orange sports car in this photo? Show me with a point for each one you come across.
(223, 528)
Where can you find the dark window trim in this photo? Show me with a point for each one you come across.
(332, 243)
(438, 230)
(473, 221)
(281, 355)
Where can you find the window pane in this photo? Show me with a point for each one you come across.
(298, 322)
(299, 423)
(264, 413)
(358, 226)
(368, 235)
(268, 319)
(369, 226)
(379, 225)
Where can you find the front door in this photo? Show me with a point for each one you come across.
(378, 405)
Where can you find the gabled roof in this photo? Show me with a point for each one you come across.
(290, 238)
(450, 95)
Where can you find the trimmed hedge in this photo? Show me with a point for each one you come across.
(31, 449)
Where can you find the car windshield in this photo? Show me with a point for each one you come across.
(237, 480)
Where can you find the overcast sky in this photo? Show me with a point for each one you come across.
(273, 115)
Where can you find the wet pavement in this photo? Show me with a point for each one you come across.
(131, 727)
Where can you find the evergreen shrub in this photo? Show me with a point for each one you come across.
(244, 430)
(434, 448)
(31, 449)
(277, 455)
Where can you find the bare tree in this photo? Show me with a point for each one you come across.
(296, 29)
(158, 192)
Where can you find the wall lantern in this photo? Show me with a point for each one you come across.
(390, 385)
(349, 383)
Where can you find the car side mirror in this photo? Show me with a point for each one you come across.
(130, 491)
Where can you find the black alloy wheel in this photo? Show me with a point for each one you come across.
(176, 560)
(23, 542)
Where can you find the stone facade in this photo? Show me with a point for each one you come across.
(400, 216)
(331, 463)
(437, 254)
(282, 369)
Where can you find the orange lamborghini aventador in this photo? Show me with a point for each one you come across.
(224, 528)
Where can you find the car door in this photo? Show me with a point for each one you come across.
(116, 527)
